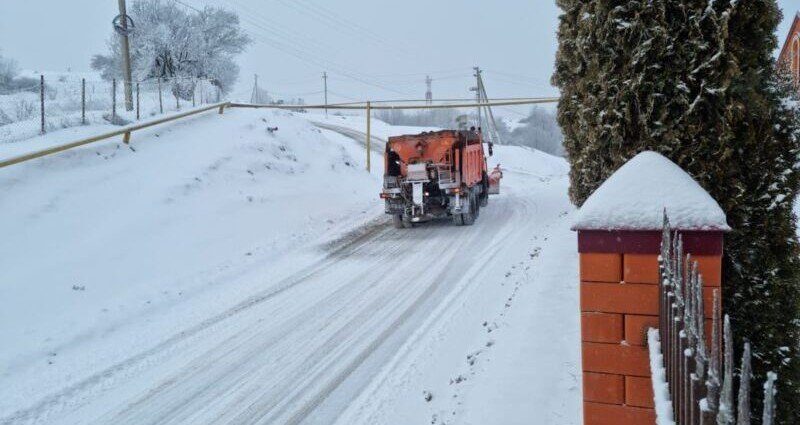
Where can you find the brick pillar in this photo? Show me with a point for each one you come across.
(619, 299)
(619, 240)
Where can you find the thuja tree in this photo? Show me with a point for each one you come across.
(696, 81)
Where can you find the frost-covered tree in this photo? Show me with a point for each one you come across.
(9, 77)
(539, 130)
(8, 70)
(443, 118)
(696, 81)
(170, 42)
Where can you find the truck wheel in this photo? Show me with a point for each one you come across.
(485, 191)
(458, 219)
(407, 223)
(470, 216)
(397, 221)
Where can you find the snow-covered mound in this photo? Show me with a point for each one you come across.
(636, 196)
(525, 160)
(97, 237)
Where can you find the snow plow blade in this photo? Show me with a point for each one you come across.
(494, 180)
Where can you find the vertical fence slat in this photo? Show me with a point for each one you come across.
(700, 378)
(743, 408)
(768, 417)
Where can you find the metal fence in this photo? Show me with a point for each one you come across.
(701, 378)
(67, 101)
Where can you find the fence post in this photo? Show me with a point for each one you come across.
(137, 101)
(83, 101)
(619, 244)
(160, 100)
(41, 101)
(113, 100)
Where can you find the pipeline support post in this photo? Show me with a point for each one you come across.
(369, 135)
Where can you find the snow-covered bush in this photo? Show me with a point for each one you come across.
(171, 42)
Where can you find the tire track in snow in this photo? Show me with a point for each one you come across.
(41, 409)
(285, 357)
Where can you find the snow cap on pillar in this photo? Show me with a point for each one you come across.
(637, 194)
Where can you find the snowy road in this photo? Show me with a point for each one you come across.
(300, 349)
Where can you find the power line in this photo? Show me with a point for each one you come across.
(189, 6)
(299, 52)
(343, 24)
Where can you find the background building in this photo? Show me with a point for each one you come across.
(790, 54)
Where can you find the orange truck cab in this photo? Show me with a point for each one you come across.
(435, 174)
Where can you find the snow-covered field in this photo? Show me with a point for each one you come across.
(219, 273)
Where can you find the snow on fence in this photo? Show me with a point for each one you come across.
(68, 101)
(693, 377)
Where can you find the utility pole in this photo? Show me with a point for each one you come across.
(429, 92)
(493, 134)
(369, 135)
(477, 90)
(126, 56)
(254, 97)
(325, 82)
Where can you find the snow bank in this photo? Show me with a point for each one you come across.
(663, 403)
(102, 240)
(531, 162)
(636, 195)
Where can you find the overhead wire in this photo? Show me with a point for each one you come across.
(342, 24)
(291, 47)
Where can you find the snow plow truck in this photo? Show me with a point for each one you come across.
(436, 174)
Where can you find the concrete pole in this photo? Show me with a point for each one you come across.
(369, 134)
(126, 57)
(325, 82)
(478, 94)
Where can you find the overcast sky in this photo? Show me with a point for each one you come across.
(371, 49)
